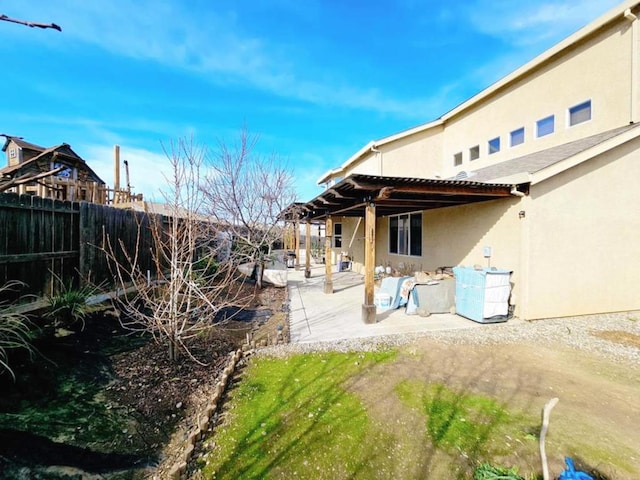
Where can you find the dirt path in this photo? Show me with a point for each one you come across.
(595, 422)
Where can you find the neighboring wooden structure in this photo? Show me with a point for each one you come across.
(57, 173)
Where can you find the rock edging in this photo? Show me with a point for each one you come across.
(178, 470)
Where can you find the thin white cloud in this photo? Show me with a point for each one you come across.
(531, 23)
(215, 46)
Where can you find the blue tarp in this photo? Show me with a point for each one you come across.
(391, 286)
(571, 473)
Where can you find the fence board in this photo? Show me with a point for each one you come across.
(43, 241)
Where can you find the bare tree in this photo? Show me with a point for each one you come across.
(247, 191)
(193, 280)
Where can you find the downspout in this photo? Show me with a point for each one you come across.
(515, 192)
(635, 75)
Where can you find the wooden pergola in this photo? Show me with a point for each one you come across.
(370, 197)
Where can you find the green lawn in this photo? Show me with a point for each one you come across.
(302, 417)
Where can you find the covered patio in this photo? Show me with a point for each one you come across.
(317, 317)
(369, 197)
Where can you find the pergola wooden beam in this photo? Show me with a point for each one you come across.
(339, 195)
(446, 189)
(346, 209)
(324, 201)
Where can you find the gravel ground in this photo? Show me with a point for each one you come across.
(576, 332)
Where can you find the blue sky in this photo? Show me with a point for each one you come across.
(315, 79)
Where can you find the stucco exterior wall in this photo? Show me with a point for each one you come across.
(418, 156)
(454, 236)
(598, 70)
(584, 248)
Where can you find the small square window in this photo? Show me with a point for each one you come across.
(545, 126)
(337, 235)
(457, 159)
(580, 113)
(474, 153)
(517, 137)
(494, 145)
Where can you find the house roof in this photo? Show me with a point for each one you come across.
(522, 168)
(62, 151)
(394, 195)
(568, 43)
(21, 143)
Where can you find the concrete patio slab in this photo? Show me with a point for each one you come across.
(319, 317)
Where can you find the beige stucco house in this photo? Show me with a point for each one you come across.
(542, 167)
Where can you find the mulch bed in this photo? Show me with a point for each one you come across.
(166, 396)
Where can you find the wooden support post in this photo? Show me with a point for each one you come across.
(289, 239)
(307, 250)
(369, 307)
(285, 236)
(297, 237)
(328, 230)
(116, 171)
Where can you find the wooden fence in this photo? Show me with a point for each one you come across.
(44, 242)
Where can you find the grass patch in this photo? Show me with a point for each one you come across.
(295, 418)
(465, 425)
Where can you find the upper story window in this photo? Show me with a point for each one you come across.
(517, 137)
(494, 145)
(545, 126)
(580, 113)
(457, 159)
(405, 234)
(474, 152)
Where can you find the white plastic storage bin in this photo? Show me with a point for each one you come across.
(482, 295)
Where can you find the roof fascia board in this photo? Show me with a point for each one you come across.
(613, 14)
(583, 156)
(515, 179)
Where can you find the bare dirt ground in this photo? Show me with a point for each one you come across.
(160, 399)
(595, 421)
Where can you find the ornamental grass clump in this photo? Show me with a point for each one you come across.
(15, 331)
(69, 306)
